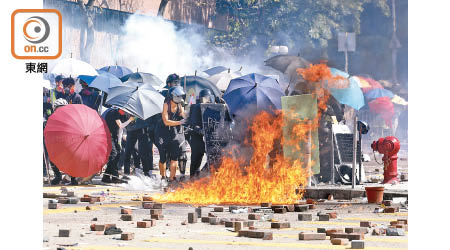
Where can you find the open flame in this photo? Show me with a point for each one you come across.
(273, 179)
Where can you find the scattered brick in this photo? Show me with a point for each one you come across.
(351, 236)
(88, 208)
(99, 227)
(147, 198)
(238, 226)
(324, 217)
(305, 217)
(211, 215)
(280, 225)
(53, 205)
(63, 200)
(387, 203)
(126, 211)
(266, 204)
(70, 194)
(147, 205)
(50, 195)
(363, 230)
(64, 232)
(205, 219)
(321, 230)
(311, 236)
(126, 217)
(405, 221)
(254, 216)
(376, 231)
(218, 209)
(192, 218)
(243, 233)
(127, 236)
(155, 211)
(331, 231)
(229, 223)
(301, 208)
(158, 206)
(395, 232)
(390, 210)
(109, 225)
(279, 210)
(267, 236)
(290, 208)
(86, 199)
(310, 201)
(198, 210)
(404, 227)
(365, 224)
(339, 241)
(157, 216)
(311, 206)
(358, 244)
(144, 224)
(248, 223)
(333, 215)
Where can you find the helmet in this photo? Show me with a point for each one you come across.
(173, 78)
(205, 96)
(59, 103)
(176, 94)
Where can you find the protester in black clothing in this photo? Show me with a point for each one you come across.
(172, 133)
(67, 91)
(136, 132)
(89, 96)
(116, 120)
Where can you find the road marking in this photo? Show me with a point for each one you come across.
(83, 209)
(295, 236)
(95, 247)
(261, 244)
(367, 219)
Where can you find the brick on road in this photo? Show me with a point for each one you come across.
(311, 236)
(339, 241)
(127, 236)
(126, 217)
(192, 217)
(144, 224)
(64, 232)
(305, 217)
(280, 225)
(358, 244)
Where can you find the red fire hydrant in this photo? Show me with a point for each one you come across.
(389, 146)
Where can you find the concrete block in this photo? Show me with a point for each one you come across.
(218, 209)
(358, 244)
(321, 230)
(64, 232)
(254, 216)
(198, 210)
(267, 236)
(311, 206)
(229, 223)
(311, 236)
(147, 205)
(365, 224)
(390, 210)
(127, 236)
(395, 232)
(243, 233)
(305, 217)
(280, 210)
(301, 208)
(87, 199)
(238, 226)
(63, 200)
(53, 205)
(192, 218)
(339, 241)
(126, 217)
(144, 224)
(324, 217)
(351, 236)
(205, 219)
(99, 227)
(155, 211)
(152, 221)
(280, 225)
(214, 220)
(70, 194)
(231, 208)
(363, 230)
(158, 206)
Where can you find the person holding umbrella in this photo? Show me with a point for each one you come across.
(89, 96)
(116, 119)
(171, 133)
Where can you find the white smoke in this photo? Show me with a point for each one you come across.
(154, 45)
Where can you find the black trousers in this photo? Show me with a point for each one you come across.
(197, 152)
(139, 136)
(112, 167)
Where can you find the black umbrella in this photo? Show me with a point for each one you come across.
(194, 84)
(288, 65)
(145, 78)
(141, 100)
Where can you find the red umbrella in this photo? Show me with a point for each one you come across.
(384, 107)
(78, 140)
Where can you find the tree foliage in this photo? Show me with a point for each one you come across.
(312, 23)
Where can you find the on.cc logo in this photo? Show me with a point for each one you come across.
(36, 29)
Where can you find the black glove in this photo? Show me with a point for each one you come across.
(220, 100)
(198, 130)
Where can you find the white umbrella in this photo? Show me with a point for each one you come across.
(222, 80)
(73, 68)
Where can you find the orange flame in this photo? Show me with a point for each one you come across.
(320, 73)
(273, 179)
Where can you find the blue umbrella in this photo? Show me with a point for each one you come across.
(250, 94)
(118, 71)
(215, 70)
(351, 96)
(103, 82)
(378, 92)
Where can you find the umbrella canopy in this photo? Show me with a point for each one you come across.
(250, 94)
(141, 100)
(361, 82)
(384, 107)
(118, 71)
(194, 84)
(70, 67)
(352, 95)
(399, 100)
(103, 82)
(222, 80)
(215, 70)
(377, 92)
(145, 78)
(373, 84)
(78, 140)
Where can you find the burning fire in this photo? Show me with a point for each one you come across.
(262, 179)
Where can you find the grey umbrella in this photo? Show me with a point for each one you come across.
(288, 65)
(141, 100)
